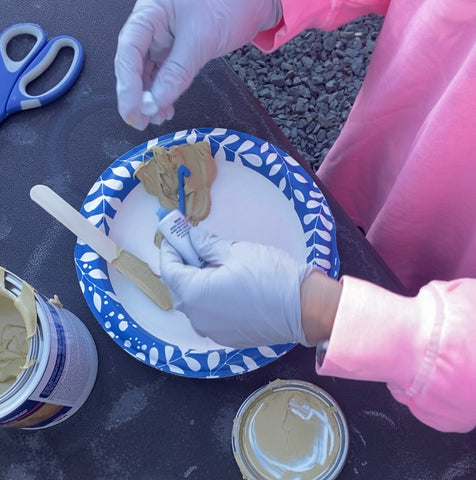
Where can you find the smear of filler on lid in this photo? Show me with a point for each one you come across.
(17, 327)
(290, 430)
(290, 436)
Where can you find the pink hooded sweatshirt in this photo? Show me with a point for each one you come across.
(404, 169)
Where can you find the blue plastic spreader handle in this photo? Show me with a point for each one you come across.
(183, 171)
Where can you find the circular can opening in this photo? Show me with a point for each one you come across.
(289, 430)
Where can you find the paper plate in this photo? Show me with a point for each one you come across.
(260, 194)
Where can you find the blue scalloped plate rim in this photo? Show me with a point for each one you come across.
(103, 201)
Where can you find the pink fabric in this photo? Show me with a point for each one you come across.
(404, 169)
(404, 166)
(324, 14)
(422, 347)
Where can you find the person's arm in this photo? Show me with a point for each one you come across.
(299, 15)
(422, 347)
(164, 44)
(320, 296)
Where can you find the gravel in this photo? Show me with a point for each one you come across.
(309, 84)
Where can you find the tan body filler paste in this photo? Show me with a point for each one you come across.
(289, 429)
(159, 177)
(17, 327)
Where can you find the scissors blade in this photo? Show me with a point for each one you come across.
(21, 100)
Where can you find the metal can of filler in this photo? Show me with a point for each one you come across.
(290, 429)
(61, 361)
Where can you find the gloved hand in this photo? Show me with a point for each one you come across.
(164, 44)
(247, 296)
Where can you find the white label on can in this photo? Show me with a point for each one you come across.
(68, 377)
(66, 373)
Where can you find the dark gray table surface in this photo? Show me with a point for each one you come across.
(140, 423)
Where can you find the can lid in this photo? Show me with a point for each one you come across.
(290, 429)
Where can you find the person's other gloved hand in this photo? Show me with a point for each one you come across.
(247, 296)
(164, 44)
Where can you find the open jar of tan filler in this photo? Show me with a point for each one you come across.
(48, 358)
(290, 430)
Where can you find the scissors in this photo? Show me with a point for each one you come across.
(16, 75)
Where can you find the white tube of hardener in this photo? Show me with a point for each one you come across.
(175, 228)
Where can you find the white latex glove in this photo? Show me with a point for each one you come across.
(164, 44)
(247, 296)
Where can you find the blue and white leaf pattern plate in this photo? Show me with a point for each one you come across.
(112, 187)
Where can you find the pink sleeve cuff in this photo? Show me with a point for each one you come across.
(299, 15)
(422, 347)
(374, 331)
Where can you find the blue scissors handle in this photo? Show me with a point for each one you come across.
(10, 69)
(21, 100)
(15, 76)
(13, 68)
